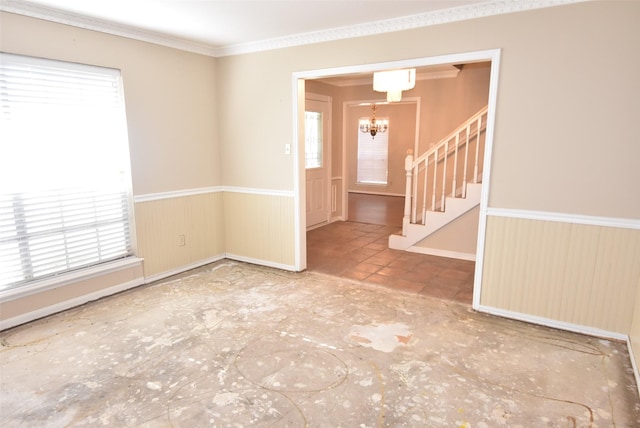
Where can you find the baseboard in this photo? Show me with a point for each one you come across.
(364, 192)
(443, 253)
(181, 269)
(548, 322)
(260, 262)
(634, 366)
(68, 304)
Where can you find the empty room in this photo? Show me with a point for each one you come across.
(319, 214)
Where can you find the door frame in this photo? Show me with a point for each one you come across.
(298, 79)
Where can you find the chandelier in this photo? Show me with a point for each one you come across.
(373, 126)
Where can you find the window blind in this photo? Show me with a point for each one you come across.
(373, 156)
(65, 193)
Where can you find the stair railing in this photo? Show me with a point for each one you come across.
(444, 169)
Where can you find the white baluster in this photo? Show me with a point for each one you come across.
(435, 179)
(475, 166)
(466, 160)
(455, 167)
(408, 167)
(424, 190)
(444, 174)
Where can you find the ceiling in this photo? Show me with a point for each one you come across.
(223, 27)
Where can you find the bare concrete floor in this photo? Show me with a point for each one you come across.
(235, 345)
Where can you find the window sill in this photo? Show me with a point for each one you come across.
(68, 278)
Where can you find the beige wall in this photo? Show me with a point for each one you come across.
(171, 112)
(458, 237)
(169, 96)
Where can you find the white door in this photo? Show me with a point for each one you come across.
(317, 119)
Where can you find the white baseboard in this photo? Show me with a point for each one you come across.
(68, 304)
(267, 263)
(547, 322)
(181, 269)
(443, 253)
(636, 374)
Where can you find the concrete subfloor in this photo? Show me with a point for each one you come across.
(236, 345)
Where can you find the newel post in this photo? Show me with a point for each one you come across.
(408, 167)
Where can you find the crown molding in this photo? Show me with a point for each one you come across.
(462, 13)
(81, 21)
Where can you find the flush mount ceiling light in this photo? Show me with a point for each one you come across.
(393, 82)
(373, 126)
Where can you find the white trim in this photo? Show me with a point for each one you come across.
(547, 322)
(364, 192)
(624, 223)
(181, 269)
(68, 278)
(200, 191)
(77, 20)
(260, 262)
(486, 175)
(634, 366)
(68, 304)
(462, 13)
(265, 192)
(443, 253)
(176, 194)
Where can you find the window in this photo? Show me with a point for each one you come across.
(313, 139)
(373, 156)
(64, 169)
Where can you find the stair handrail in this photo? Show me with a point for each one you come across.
(412, 167)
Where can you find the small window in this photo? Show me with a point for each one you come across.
(373, 154)
(65, 187)
(313, 139)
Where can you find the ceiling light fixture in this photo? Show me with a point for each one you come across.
(393, 82)
(373, 126)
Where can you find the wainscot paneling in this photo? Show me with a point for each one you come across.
(179, 231)
(572, 273)
(260, 228)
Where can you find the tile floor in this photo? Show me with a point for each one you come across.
(358, 249)
(238, 345)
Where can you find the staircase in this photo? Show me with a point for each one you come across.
(443, 183)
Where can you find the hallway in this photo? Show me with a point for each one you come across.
(357, 249)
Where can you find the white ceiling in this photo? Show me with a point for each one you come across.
(220, 27)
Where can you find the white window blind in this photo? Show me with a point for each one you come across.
(65, 193)
(373, 154)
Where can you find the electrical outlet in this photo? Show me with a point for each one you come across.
(181, 240)
(287, 149)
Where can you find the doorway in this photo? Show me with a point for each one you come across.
(491, 56)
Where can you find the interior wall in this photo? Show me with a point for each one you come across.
(171, 111)
(460, 237)
(556, 99)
